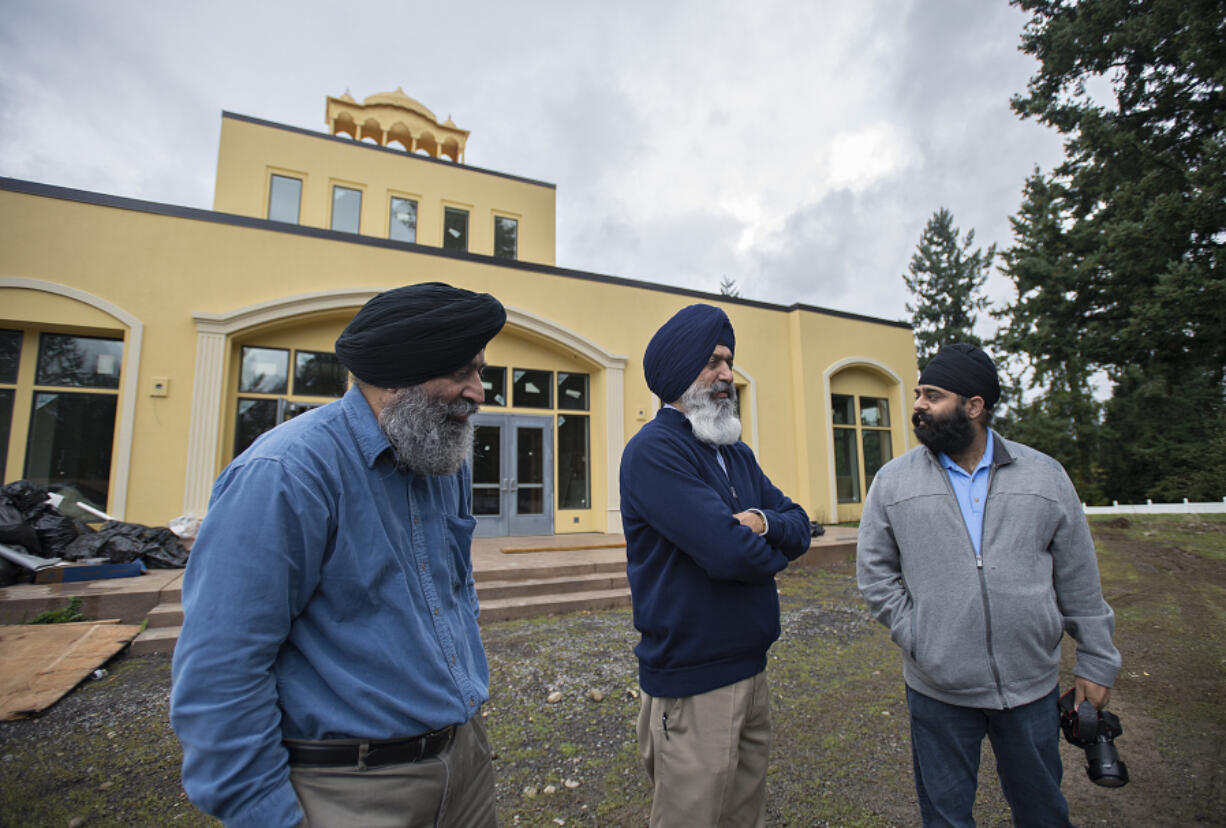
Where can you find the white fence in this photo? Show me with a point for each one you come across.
(1151, 508)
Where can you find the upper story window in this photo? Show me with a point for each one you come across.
(494, 380)
(455, 228)
(506, 237)
(346, 209)
(284, 198)
(403, 223)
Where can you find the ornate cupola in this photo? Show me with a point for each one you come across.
(394, 117)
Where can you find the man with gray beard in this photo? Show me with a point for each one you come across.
(330, 670)
(706, 532)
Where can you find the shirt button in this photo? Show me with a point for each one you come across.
(436, 610)
(471, 702)
(453, 659)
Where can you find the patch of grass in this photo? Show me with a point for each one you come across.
(63, 615)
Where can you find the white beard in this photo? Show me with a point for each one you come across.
(713, 420)
(423, 434)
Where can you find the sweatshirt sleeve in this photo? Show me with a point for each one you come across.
(1088, 619)
(663, 488)
(879, 568)
(787, 523)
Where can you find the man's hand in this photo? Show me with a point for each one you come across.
(753, 520)
(1086, 689)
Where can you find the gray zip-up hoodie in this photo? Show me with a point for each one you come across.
(984, 632)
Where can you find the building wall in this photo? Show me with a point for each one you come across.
(187, 289)
(251, 151)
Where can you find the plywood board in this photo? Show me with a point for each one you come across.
(40, 663)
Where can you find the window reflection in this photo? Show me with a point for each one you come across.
(572, 391)
(69, 443)
(574, 488)
(403, 225)
(533, 389)
(319, 374)
(10, 355)
(494, 381)
(78, 361)
(264, 370)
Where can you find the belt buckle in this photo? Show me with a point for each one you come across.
(363, 749)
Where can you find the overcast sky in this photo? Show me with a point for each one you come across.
(795, 147)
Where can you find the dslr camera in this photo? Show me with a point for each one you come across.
(1094, 731)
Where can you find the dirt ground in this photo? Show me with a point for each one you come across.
(105, 756)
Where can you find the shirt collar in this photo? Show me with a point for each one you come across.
(371, 440)
(985, 461)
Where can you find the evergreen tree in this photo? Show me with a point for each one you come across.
(1118, 255)
(946, 278)
(727, 287)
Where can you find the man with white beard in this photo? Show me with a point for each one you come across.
(330, 670)
(706, 531)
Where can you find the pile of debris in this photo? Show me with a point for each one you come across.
(35, 535)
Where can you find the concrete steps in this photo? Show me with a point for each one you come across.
(506, 593)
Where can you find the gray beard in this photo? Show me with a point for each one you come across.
(423, 434)
(713, 420)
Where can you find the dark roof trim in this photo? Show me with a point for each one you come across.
(349, 142)
(195, 214)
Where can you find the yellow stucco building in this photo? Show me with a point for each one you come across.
(143, 345)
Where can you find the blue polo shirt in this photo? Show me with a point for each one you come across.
(971, 491)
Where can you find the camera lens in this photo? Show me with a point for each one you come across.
(1105, 767)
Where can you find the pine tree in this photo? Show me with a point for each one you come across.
(1118, 263)
(946, 279)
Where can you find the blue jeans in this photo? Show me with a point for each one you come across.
(945, 743)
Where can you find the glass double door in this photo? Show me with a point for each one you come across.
(513, 474)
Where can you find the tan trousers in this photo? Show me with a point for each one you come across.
(453, 790)
(706, 756)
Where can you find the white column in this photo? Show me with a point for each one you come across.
(205, 425)
(615, 440)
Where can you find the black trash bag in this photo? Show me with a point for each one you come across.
(26, 496)
(14, 530)
(120, 542)
(816, 530)
(56, 531)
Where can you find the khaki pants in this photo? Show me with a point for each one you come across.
(453, 790)
(706, 756)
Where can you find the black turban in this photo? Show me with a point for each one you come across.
(679, 350)
(963, 369)
(415, 333)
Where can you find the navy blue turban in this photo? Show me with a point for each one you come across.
(679, 350)
(963, 369)
(415, 333)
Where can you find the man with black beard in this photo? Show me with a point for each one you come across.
(330, 670)
(706, 531)
(975, 552)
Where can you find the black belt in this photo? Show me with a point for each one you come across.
(369, 753)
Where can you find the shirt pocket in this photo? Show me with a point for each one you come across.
(459, 535)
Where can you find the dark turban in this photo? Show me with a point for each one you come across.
(679, 350)
(418, 332)
(965, 370)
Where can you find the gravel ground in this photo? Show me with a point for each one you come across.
(104, 756)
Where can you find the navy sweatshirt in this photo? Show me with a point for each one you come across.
(703, 585)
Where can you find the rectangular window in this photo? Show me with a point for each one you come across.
(574, 469)
(319, 374)
(455, 229)
(843, 407)
(254, 418)
(6, 423)
(846, 465)
(506, 237)
(346, 209)
(10, 355)
(403, 225)
(572, 391)
(877, 452)
(264, 371)
(874, 412)
(529, 471)
(78, 361)
(494, 381)
(533, 389)
(284, 198)
(487, 470)
(70, 443)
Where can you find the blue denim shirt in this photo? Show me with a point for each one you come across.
(328, 595)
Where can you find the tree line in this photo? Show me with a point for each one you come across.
(1116, 258)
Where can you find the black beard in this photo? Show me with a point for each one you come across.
(951, 434)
